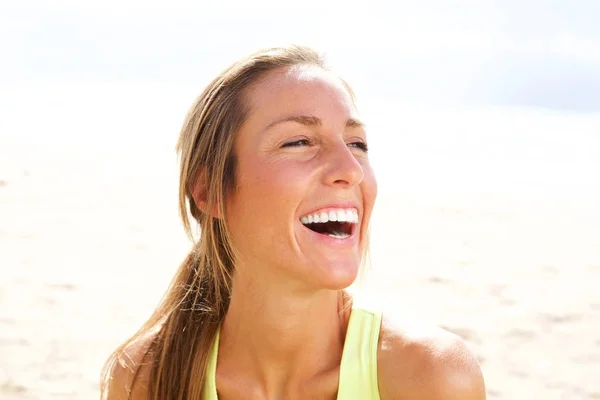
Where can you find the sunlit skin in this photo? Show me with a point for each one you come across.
(301, 149)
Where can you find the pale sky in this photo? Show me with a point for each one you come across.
(110, 73)
(540, 53)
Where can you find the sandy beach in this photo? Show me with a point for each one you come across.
(483, 123)
(90, 237)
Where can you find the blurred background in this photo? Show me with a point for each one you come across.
(484, 128)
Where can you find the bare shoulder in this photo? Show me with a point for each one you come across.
(130, 373)
(416, 361)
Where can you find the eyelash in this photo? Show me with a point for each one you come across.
(295, 143)
(361, 145)
(306, 142)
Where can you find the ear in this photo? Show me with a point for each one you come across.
(200, 195)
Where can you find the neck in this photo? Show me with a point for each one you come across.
(280, 337)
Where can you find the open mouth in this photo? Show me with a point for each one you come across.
(337, 223)
(339, 230)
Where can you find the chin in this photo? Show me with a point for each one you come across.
(339, 275)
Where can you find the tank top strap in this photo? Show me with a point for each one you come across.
(358, 369)
(210, 380)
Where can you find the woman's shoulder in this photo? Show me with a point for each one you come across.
(418, 361)
(129, 374)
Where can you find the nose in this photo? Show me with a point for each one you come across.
(342, 167)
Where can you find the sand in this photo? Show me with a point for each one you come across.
(90, 238)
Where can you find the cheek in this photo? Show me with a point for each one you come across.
(369, 187)
(268, 191)
(263, 207)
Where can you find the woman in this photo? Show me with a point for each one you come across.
(274, 169)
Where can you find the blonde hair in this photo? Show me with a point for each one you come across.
(186, 321)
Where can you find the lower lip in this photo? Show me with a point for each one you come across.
(332, 241)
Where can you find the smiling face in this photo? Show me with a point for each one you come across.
(301, 160)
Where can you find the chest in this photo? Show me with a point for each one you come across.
(323, 387)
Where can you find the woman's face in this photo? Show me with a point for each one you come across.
(301, 156)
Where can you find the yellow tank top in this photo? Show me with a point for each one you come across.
(358, 369)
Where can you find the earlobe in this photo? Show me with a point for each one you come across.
(200, 195)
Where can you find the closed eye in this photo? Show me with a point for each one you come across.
(297, 143)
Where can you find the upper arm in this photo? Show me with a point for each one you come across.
(457, 373)
(130, 373)
(426, 364)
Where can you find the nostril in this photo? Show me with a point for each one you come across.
(347, 177)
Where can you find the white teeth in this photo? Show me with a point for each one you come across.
(349, 216)
(342, 215)
(339, 236)
(324, 217)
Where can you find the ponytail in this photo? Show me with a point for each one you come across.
(185, 324)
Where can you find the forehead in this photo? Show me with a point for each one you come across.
(304, 90)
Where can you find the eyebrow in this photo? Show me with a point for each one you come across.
(310, 120)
